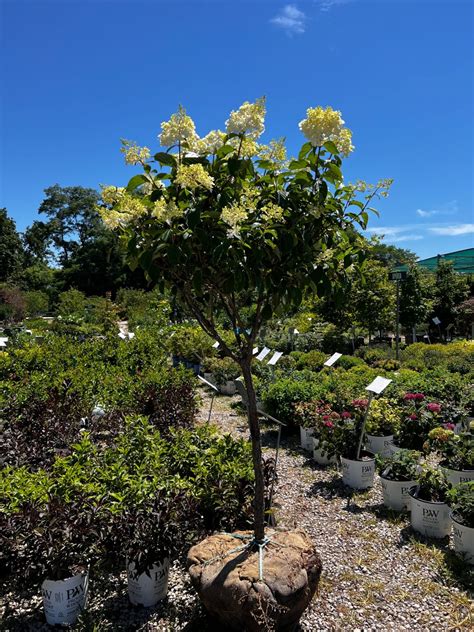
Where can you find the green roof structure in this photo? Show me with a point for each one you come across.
(463, 261)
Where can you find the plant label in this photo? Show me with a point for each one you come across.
(333, 359)
(255, 351)
(275, 357)
(263, 353)
(215, 345)
(378, 385)
(436, 321)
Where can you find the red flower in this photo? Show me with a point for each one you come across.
(419, 396)
(326, 418)
(449, 426)
(413, 417)
(433, 408)
(345, 415)
(409, 396)
(329, 424)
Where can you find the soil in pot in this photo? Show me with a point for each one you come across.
(463, 538)
(431, 519)
(227, 580)
(64, 600)
(358, 474)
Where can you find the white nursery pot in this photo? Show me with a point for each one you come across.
(302, 437)
(463, 540)
(150, 587)
(319, 457)
(308, 446)
(458, 476)
(228, 388)
(64, 600)
(396, 494)
(393, 448)
(358, 474)
(379, 445)
(429, 518)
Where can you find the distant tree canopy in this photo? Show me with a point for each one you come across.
(11, 249)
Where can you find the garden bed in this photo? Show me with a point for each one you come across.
(377, 573)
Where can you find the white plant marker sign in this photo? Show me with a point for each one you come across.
(378, 385)
(275, 357)
(333, 359)
(436, 321)
(255, 351)
(263, 353)
(215, 345)
(122, 335)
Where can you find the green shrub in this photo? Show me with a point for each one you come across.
(282, 396)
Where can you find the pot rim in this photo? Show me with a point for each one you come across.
(454, 470)
(391, 480)
(428, 502)
(460, 523)
(369, 460)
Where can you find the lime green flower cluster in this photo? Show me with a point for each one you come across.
(193, 177)
(234, 216)
(164, 210)
(126, 208)
(134, 154)
(180, 129)
(211, 143)
(325, 124)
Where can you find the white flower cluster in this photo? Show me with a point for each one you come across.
(249, 119)
(193, 177)
(134, 154)
(325, 124)
(126, 208)
(163, 210)
(179, 129)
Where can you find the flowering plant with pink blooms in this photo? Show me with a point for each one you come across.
(455, 451)
(419, 416)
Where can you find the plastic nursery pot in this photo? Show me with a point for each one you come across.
(151, 586)
(396, 494)
(306, 436)
(358, 474)
(228, 388)
(64, 600)
(319, 457)
(393, 448)
(379, 445)
(431, 519)
(463, 540)
(458, 476)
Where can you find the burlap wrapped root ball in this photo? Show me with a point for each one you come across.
(227, 580)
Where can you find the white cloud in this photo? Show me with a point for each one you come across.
(453, 231)
(291, 20)
(327, 5)
(450, 208)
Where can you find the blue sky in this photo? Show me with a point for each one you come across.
(78, 76)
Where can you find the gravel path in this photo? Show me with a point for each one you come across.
(377, 575)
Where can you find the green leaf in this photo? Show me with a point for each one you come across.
(165, 159)
(298, 164)
(334, 170)
(331, 147)
(135, 182)
(304, 151)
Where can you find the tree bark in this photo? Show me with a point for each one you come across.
(259, 494)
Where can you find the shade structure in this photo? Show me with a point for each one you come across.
(463, 261)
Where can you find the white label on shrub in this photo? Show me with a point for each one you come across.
(263, 353)
(378, 385)
(64, 600)
(333, 359)
(275, 357)
(216, 345)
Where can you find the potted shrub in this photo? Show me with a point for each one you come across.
(358, 469)
(150, 533)
(382, 424)
(428, 504)
(461, 501)
(224, 371)
(456, 452)
(418, 418)
(55, 543)
(316, 420)
(398, 473)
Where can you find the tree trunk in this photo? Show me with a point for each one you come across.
(259, 493)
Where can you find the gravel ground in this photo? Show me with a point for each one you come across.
(377, 575)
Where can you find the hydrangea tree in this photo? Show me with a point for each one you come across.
(219, 218)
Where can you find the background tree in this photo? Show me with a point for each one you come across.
(465, 317)
(450, 291)
(390, 255)
(416, 302)
(374, 298)
(238, 218)
(11, 249)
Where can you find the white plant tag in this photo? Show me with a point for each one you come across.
(263, 353)
(215, 345)
(333, 359)
(275, 357)
(255, 351)
(378, 385)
